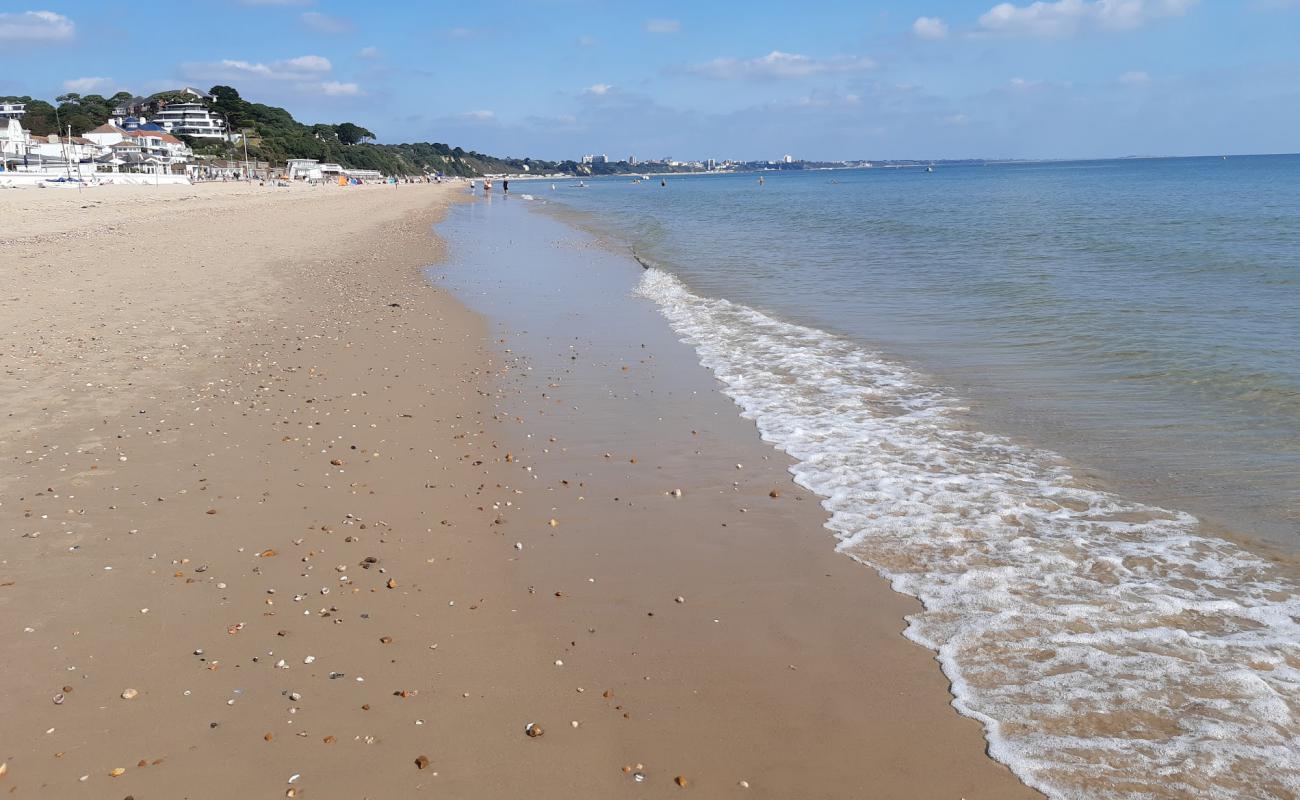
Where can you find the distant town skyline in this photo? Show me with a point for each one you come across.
(838, 80)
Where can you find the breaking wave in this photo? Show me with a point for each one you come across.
(1108, 647)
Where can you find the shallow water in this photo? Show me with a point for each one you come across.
(1139, 317)
(1111, 646)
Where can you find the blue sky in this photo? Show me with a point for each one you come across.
(757, 79)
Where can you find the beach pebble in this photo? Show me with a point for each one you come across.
(117, 772)
(422, 762)
(743, 784)
(533, 730)
(681, 781)
(129, 694)
(679, 599)
(774, 494)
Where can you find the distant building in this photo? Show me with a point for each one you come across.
(14, 141)
(631, 161)
(308, 169)
(711, 164)
(161, 146)
(787, 158)
(134, 107)
(12, 110)
(594, 159)
(190, 119)
(107, 135)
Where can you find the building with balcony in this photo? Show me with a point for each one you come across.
(190, 119)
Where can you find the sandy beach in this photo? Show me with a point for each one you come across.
(283, 517)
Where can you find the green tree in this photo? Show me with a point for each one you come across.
(349, 133)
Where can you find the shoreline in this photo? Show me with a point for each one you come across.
(1013, 648)
(609, 401)
(189, 576)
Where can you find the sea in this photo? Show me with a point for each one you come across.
(1058, 402)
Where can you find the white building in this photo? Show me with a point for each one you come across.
(305, 169)
(106, 135)
(14, 141)
(594, 159)
(12, 110)
(63, 148)
(787, 158)
(164, 147)
(190, 119)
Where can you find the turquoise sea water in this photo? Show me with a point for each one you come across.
(1139, 317)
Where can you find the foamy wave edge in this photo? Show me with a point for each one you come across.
(1108, 648)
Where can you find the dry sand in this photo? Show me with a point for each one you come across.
(221, 402)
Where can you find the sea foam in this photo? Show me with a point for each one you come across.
(1108, 647)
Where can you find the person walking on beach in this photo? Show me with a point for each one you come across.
(505, 187)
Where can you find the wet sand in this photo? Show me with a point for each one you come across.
(326, 522)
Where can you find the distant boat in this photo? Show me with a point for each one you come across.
(930, 168)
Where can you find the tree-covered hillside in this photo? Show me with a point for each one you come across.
(274, 135)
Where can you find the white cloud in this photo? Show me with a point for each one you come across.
(598, 89)
(662, 26)
(368, 52)
(930, 28)
(88, 85)
(324, 23)
(302, 68)
(1055, 19)
(781, 65)
(1024, 84)
(35, 26)
(820, 99)
(479, 116)
(1135, 78)
(339, 89)
(306, 64)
